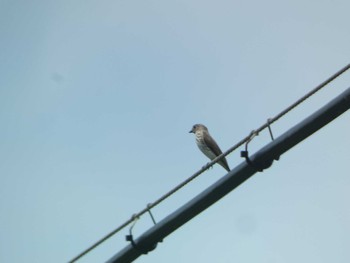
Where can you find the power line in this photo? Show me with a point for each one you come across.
(211, 163)
(149, 240)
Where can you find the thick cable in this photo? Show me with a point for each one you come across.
(208, 165)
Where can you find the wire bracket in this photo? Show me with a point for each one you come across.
(269, 126)
(150, 213)
(149, 206)
(269, 122)
(142, 249)
(259, 166)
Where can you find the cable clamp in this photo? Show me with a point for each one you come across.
(258, 166)
(271, 135)
(150, 213)
(142, 249)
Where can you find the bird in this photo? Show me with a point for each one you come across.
(207, 144)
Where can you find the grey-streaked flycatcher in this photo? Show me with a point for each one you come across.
(207, 144)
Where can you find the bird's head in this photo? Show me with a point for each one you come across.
(198, 127)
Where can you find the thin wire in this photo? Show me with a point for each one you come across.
(208, 165)
(270, 131)
(278, 116)
(151, 215)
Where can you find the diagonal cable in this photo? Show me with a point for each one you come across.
(211, 163)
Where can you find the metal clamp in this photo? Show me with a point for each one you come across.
(141, 249)
(259, 166)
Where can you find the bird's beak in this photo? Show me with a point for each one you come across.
(191, 131)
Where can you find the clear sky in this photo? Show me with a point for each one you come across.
(96, 101)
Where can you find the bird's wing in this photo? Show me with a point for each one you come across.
(213, 146)
(211, 143)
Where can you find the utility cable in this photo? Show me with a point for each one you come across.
(211, 163)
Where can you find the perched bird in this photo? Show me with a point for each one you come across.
(207, 144)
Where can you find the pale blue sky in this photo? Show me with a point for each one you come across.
(96, 101)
